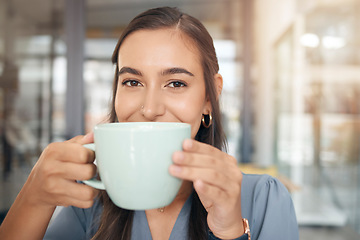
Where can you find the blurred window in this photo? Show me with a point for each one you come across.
(318, 112)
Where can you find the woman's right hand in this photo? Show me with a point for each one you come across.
(52, 181)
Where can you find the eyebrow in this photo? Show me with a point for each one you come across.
(176, 70)
(169, 71)
(129, 70)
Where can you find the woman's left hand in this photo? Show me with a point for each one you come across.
(217, 181)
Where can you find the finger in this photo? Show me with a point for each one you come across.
(69, 201)
(83, 139)
(76, 139)
(81, 191)
(75, 194)
(88, 138)
(223, 164)
(190, 145)
(69, 152)
(199, 160)
(63, 192)
(76, 171)
(77, 153)
(207, 175)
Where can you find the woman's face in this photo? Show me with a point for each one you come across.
(160, 79)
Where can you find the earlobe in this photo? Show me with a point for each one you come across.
(207, 108)
(218, 84)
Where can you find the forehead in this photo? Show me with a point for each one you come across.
(168, 44)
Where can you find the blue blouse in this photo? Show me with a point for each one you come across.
(265, 202)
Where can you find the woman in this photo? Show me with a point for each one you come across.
(166, 71)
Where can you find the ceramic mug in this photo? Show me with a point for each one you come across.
(133, 160)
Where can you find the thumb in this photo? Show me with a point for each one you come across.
(83, 139)
(88, 138)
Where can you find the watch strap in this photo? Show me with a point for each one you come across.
(245, 236)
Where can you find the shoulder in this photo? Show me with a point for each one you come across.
(260, 192)
(256, 179)
(267, 204)
(260, 189)
(256, 183)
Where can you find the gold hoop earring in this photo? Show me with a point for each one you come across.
(204, 122)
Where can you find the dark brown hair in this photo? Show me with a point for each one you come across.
(117, 222)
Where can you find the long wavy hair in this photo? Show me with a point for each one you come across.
(115, 222)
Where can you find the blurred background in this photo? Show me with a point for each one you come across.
(291, 97)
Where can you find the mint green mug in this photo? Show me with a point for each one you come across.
(133, 160)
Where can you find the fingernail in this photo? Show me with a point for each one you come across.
(178, 157)
(88, 135)
(188, 144)
(175, 169)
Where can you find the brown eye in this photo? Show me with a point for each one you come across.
(176, 84)
(131, 83)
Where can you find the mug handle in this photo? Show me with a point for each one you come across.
(93, 182)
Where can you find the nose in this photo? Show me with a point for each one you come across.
(153, 105)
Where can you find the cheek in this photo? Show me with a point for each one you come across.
(188, 110)
(125, 106)
(194, 129)
(117, 108)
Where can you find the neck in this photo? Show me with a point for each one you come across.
(179, 201)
